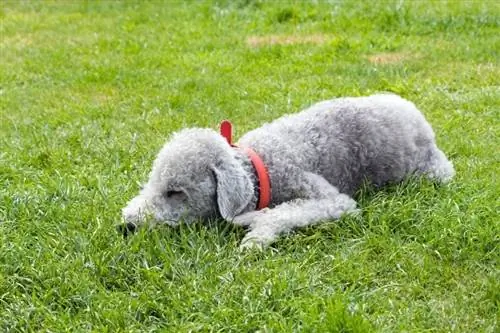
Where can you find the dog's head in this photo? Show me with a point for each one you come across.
(195, 176)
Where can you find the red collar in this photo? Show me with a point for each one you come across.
(226, 130)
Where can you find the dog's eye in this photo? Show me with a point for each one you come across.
(170, 194)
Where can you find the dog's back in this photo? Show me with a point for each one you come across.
(380, 137)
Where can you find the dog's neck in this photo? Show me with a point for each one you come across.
(250, 160)
(247, 165)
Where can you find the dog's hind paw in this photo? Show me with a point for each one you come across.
(356, 212)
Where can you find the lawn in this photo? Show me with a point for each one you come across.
(89, 91)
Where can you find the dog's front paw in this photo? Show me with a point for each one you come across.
(252, 245)
(257, 239)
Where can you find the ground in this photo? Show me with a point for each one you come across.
(90, 90)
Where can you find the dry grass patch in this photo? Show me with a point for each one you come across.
(389, 58)
(258, 41)
(17, 42)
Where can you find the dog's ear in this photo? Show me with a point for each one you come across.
(234, 188)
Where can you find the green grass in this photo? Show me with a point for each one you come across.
(90, 90)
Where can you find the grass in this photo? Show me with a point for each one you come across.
(90, 90)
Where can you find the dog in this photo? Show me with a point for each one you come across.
(296, 171)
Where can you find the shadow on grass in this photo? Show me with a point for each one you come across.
(392, 210)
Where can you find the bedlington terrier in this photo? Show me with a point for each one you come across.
(315, 160)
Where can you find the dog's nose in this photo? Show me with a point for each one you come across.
(126, 228)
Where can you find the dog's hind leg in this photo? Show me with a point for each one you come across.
(437, 167)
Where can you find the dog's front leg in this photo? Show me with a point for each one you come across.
(321, 202)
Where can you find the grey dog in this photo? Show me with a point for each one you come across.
(315, 159)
